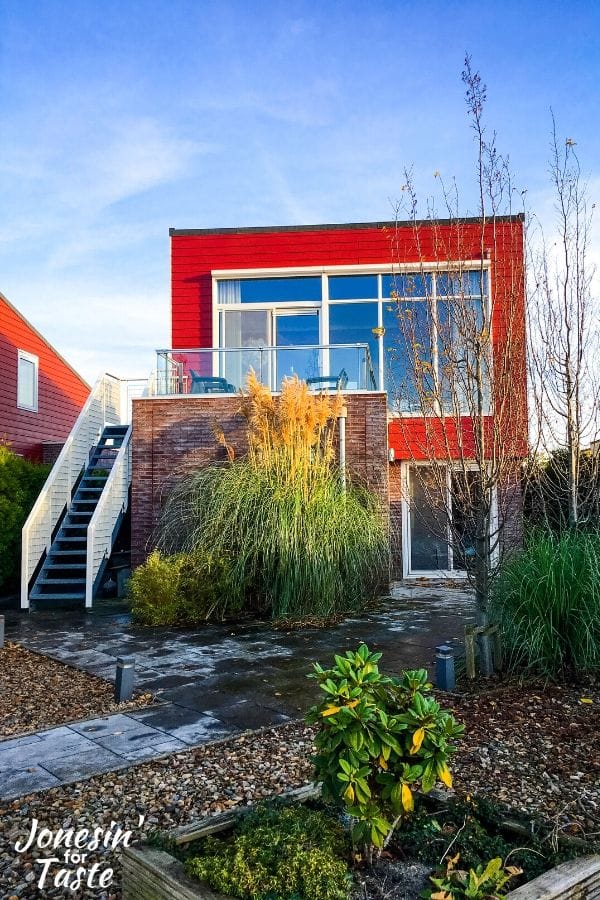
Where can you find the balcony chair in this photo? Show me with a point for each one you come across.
(209, 384)
(337, 382)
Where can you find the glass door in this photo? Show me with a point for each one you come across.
(428, 520)
(249, 330)
(296, 331)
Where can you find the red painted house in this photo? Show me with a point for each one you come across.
(326, 302)
(40, 394)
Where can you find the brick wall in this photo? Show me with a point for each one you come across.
(172, 436)
(395, 494)
(510, 512)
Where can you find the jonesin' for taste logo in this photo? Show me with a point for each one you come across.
(67, 864)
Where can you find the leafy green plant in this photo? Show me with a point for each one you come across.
(547, 600)
(182, 588)
(20, 483)
(278, 853)
(379, 739)
(299, 543)
(485, 882)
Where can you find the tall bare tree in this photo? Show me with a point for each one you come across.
(458, 368)
(564, 351)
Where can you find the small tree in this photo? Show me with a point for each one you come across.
(564, 343)
(460, 368)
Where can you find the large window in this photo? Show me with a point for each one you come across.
(27, 381)
(421, 329)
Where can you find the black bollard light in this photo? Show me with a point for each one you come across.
(124, 678)
(1, 631)
(444, 667)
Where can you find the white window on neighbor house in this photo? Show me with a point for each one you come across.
(27, 381)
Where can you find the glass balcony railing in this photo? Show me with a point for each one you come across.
(221, 370)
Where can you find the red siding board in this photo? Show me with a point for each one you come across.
(61, 392)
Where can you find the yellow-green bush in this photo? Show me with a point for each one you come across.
(182, 589)
(289, 853)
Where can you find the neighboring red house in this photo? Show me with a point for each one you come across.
(322, 301)
(40, 394)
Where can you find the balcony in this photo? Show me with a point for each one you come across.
(223, 370)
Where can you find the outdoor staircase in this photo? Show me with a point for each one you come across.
(62, 578)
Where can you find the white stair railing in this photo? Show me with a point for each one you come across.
(113, 501)
(103, 407)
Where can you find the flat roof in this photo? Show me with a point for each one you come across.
(342, 226)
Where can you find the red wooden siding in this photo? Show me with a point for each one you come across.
(61, 392)
(194, 255)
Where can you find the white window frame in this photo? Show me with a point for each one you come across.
(378, 269)
(406, 466)
(24, 356)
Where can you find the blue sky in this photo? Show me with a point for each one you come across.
(121, 119)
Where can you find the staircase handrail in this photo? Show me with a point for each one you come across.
(102, 407)
(113, 500)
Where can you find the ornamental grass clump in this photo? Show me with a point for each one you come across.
(379, 740)
(547, 601)
(301, 543)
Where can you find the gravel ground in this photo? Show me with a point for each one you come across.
(531, 747)
(39, 692)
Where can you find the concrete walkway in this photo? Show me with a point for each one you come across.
(211, 682)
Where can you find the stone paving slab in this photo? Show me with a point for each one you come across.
(17, 782)
(82, 765)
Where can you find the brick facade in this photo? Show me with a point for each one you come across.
(172, 436)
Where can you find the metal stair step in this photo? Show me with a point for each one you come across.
(57, 582)
(67, 595)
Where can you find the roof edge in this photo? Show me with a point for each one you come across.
(339, 226)
(44, 340)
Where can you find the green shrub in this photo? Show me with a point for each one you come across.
(378, 739)
(169, 590)
(20, 483)
(547, 601)
(278, 853)
(300, 544)
(485, 882)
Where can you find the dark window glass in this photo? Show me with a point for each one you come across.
(408, 372)
(468, 284)
(297, 331)
(270, 290)
(428, 520)
(460, 346)
(353, 287)
(352, 323)
(466, 499)
(407, 284)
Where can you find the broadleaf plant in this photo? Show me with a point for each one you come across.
(380, 739)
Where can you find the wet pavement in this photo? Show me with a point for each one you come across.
(210, 682)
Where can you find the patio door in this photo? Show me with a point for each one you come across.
(439, 509)
(297, 334)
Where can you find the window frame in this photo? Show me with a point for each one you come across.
(25, 356)
(377, 269)
(405, 501)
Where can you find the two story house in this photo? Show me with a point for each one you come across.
(393, 314)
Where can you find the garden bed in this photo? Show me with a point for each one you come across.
(158, 871)
(39, 693)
